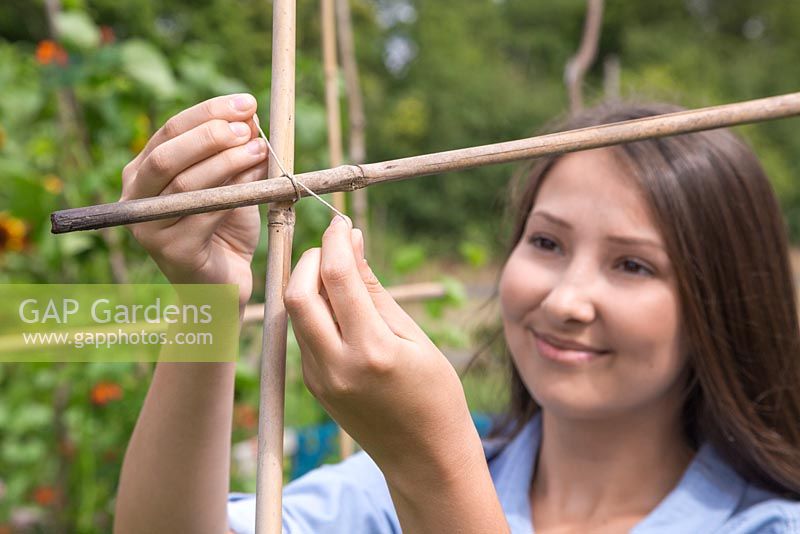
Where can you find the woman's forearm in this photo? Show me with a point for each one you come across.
(452, 493)
(175, 475)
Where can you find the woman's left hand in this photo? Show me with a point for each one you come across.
(384, 381)
(370, 365)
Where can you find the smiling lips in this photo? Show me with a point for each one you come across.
(553, 348)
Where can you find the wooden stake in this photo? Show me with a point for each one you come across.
(587, 51)
(269, 478)
(346, 445)
(332, 92)
(612, 72)
(351, 177)
(355, 107)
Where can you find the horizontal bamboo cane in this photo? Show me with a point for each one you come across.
(352, 177)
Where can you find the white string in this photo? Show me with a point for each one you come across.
(295, 183)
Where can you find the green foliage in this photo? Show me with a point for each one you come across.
(75, 28)
(408, 258)
(146, 65)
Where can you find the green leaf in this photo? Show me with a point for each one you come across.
(408, 258)
(455, 293)
(23, 453)
(30, 417)
(474, 253)
(75, 28)
(22, 89)
(202, 73)
(73, 244)
(310, 119)
(149, 67)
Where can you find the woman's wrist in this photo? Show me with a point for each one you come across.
(442, 464)
(453, 491)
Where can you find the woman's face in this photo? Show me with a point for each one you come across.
(589, 301)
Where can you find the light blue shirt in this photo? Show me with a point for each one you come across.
(352, 497)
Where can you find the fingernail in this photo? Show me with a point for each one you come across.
(242, 102)
(360, 239)
(256, 146)
(239, 128)
(338, 219)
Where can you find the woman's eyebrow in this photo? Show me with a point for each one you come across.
(642, 241)
(552, 218)
(622, 240)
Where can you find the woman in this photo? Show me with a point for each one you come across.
(648, 307)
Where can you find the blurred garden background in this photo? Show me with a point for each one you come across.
(84, 83)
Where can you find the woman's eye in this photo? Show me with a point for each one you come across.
(543, 243)
(635, 267)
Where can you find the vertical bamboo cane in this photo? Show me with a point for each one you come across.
(587, 51)
(334, 133)
(355, 107)
(332, 92)
(269, 481)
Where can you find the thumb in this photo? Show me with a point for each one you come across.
(395, 317)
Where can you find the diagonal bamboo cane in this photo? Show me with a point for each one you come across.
(351, 177)
(269, 477)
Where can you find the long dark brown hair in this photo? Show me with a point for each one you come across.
(727, 242)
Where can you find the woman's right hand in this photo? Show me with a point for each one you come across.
(211, 144)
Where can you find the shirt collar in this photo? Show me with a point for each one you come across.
(705, 497)
(512, 470)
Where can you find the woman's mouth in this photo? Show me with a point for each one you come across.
(565, 351)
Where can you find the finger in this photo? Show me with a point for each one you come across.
(251, 122)
(193, 230)
(232, 108)
(167, 161)
(349, 298)
(312, 318)
(217, 170)
(309, 365)
(202, 225)
(392, 313)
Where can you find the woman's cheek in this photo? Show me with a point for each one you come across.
(523, 285)
(512, 289)
(656, 324)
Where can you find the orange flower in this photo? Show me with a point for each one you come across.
(49, 51)
(105, 392)
(12, 232)
(107, 35)
(53, 184)
(44, 495)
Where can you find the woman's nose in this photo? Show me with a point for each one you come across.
(570, 300)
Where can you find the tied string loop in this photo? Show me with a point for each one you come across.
(297, 185)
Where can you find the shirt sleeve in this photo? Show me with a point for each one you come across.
(351, 496)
